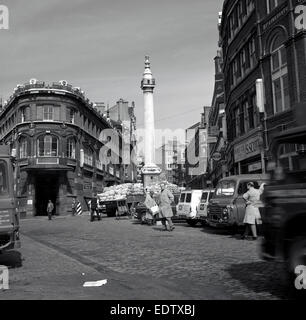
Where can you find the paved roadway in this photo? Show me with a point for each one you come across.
(139, 262)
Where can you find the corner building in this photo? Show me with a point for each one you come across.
(56, 133)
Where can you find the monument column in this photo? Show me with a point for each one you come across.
(150, 171)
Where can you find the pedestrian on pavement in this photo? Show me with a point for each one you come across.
(150, 204)
(50, 208)
(94, 208)
(252, 214)
(165, 200)
(74, 206)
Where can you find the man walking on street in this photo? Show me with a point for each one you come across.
(50, 208)
(165, 200)
(94, 208)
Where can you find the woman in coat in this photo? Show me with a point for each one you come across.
(252, 214)
(149, 203)
(165, 200)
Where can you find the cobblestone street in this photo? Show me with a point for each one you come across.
(140, 262)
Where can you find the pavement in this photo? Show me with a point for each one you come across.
(139, 262)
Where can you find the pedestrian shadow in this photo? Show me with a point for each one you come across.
(261, 277)
(158, 229)
(11, 259)
(220, 231)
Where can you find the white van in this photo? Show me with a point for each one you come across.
(187, 206)
(207, 194)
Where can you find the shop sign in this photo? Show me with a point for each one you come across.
(255, 167)
(247, 149)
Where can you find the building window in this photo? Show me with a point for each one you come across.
(25, 114)
(23, 148)
(47, 146)
(272, 4)
(48, 113)
(251, 122)
(250, 6)
(237, 127)
(279, 71)
(70, 113)
(71, 148)
(252, 51)
(243, 63)
(241, 119)
(240, 13)
(88, 156)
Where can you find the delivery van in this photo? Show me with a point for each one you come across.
(187, 206)
(227, 206)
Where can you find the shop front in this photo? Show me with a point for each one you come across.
(248, 155)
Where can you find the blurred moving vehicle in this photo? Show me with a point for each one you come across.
(9, 215)
(187, 206)
(227, 206)
(284, 216)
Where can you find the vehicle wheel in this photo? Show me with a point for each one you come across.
(192, 223)
(204, 223)
(235, 229)
(296, 258)
(297, 254)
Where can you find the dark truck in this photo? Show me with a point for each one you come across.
(284, 216)
(9, 216)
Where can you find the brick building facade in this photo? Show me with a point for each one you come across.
(260, 41)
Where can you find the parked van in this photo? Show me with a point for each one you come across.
(207, 194)
(227, 207)
(188, 205)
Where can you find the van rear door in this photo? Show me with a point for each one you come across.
(184, 204)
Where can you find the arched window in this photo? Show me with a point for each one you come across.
(88, 156)
(23, 148)
(279, 71)
(71, 148)
(47, 146)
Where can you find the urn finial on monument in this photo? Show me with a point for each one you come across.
(150, 171)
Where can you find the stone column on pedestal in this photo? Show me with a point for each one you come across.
(150, 171)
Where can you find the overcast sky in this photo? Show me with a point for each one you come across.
(99, 45)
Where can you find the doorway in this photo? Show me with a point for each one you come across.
(46, 188)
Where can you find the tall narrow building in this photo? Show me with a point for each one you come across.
(150, 170)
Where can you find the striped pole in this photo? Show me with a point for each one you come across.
(79, 209)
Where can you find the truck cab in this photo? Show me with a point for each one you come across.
(227, 206)
(9, 216)
(284, 217)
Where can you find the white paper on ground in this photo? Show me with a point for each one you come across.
(99, 283)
